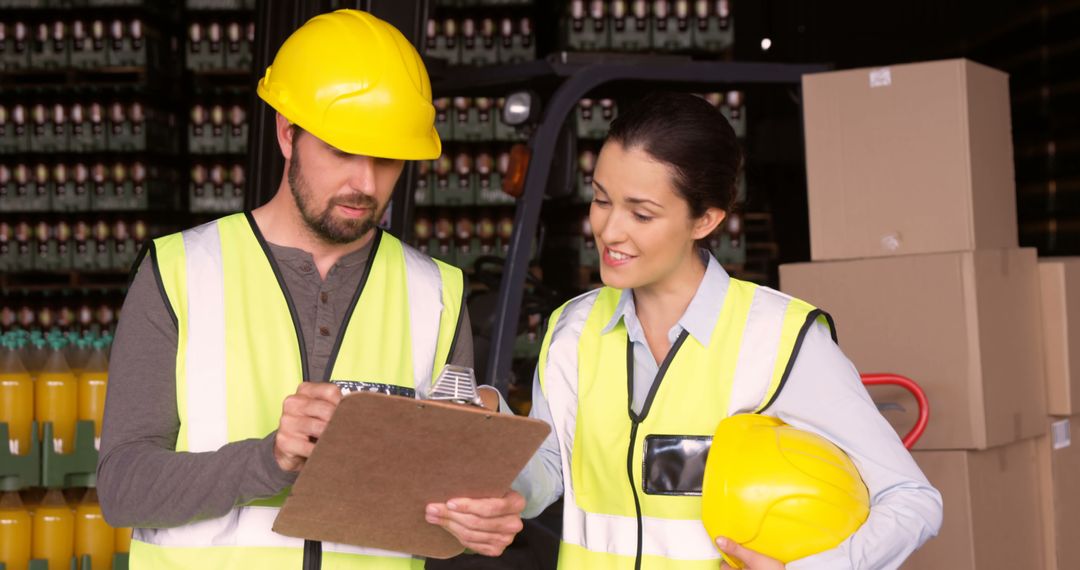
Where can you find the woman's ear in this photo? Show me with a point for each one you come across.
(705, 225)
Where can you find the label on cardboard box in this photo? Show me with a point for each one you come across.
(881, 77)
(1059, 434)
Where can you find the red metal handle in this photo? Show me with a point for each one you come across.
(920, 397)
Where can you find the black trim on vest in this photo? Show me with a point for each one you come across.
(457, 328)
(633, 489)
(659, 375)
(138, 259)
(157, 279)
(636, 419)
(811, 318)
(352, 306)
(312, 555)
(284, 290)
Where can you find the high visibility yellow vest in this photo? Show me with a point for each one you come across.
(615, 516)
(240, 354)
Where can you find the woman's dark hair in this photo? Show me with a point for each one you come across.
(692, 137)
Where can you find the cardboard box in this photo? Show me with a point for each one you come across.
(909, 159)
(1058, 464)
(1060, 280)
(992, 516)
(964, 326)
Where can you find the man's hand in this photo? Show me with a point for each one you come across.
(751, 560)
(486, 526)
(303, 418)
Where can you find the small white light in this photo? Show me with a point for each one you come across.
(519, 107)
(766, 43)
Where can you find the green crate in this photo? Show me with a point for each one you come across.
(444, 124)
(238, 55)
(470, 122)
(444, 41)
(237, 134)
(24, 255)
(77, 468)
(588, 254)
(594, 117)
(103, 251)
(7, 247)
(728, 251)
(88, 46)
(15, 129)
(455, 190)
(422, 184)
(516, 41)
(126, 50)
(441, 244)
(16, 46)
(631, 33)
(478, 45)
(83, 255)
(489, 191)
(38, 196)
(466, 252)
(712, 34)
(489, 182)
(101, 187)
(51, 46)
(69, 196)
(736, 115)
(19, 471)
(49, 256)
(587, 33)
(203, 53)
(124, 253)
(49, 128)
(673, 33)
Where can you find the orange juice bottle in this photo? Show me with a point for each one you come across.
(16, 398)
(92, 383)
(93, 536)
(55, 399)
(33, 355)
(14, 532)
(123, 540)
(53, 535)
(77, 351)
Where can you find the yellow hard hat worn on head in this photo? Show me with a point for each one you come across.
(356, 83)
(780, 491)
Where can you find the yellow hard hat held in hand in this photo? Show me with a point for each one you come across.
(356, 83)
(780, 491)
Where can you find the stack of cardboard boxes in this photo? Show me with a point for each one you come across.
(914, 241)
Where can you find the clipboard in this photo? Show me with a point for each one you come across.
(382, 459)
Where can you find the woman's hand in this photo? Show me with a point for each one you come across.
(751, 560)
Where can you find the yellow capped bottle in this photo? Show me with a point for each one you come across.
(16, 398)
(55, 399)
(14, 532)
(92, 384)
(53, 534)
(93, 536)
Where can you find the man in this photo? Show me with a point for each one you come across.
(209, 418)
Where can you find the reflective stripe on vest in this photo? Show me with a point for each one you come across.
(240, 354)
(583, 373)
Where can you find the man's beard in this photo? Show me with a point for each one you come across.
(323, 224)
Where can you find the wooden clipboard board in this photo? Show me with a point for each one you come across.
(382, 459)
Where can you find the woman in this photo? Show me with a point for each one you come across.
(670, 346)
